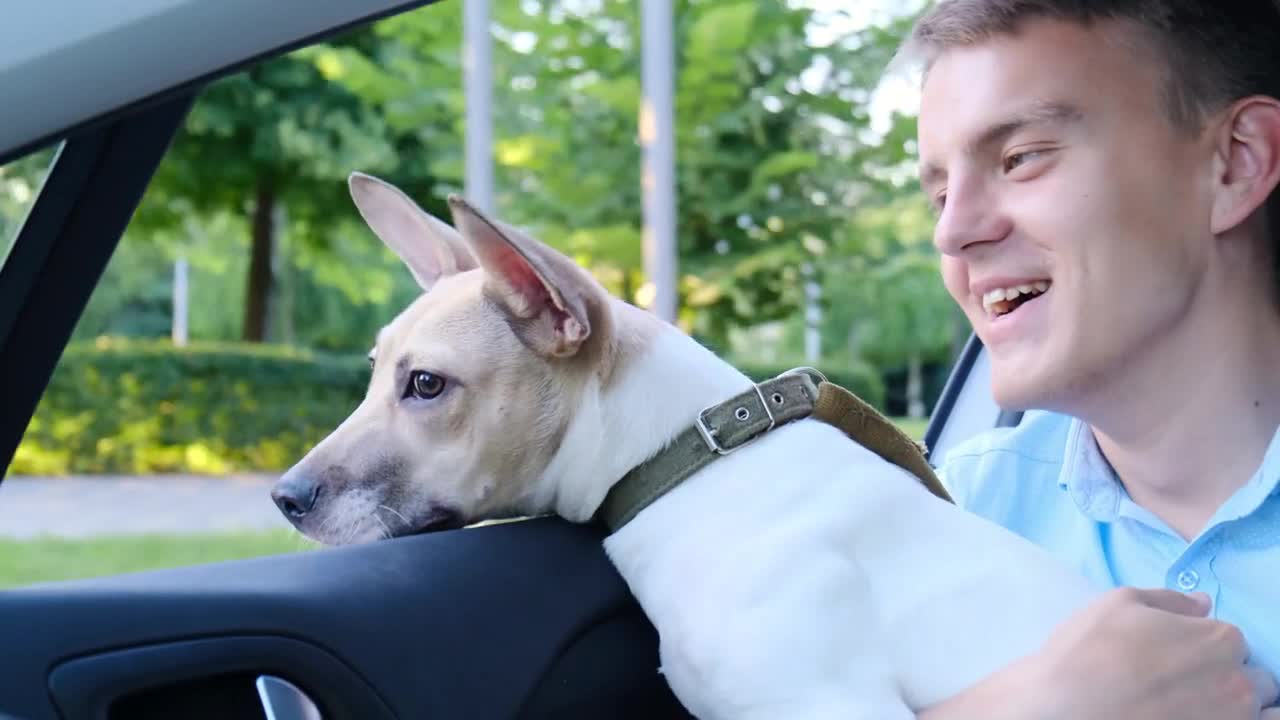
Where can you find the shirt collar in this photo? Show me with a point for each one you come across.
(1094, 487)
(1087, 477)
(1264, 484)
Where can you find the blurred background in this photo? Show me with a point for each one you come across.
(229, 331)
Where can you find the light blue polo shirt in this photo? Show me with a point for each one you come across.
(1047, 481)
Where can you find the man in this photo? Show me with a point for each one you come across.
(1105, 178)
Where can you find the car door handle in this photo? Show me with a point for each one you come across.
(282, 700)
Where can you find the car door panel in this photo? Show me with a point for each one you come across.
(207, 678)
(524, 619)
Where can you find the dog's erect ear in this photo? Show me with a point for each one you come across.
(428, 246)
(551, 296)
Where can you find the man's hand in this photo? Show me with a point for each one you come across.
(1139, 654)
(1130, 655)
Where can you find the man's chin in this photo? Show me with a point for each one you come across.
(1016, 388)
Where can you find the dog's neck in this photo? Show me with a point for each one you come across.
(662, 379)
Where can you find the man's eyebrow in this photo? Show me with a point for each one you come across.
(1039, 113)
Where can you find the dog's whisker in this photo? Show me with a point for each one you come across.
(386, 531)
(395, 512)
(329, 526)
(356, 526)
(324, 526)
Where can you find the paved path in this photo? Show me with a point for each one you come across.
(108, 505)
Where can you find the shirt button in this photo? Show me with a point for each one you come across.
(1188, 579)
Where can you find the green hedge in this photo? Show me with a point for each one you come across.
(118, 406)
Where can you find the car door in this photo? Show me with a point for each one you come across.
(524, 619)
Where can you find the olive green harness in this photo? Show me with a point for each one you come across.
(721, 429)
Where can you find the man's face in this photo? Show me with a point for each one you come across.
(1058, 176)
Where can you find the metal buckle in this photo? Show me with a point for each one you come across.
(805, 370)
(709, 436)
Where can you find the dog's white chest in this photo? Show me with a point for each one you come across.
(806, 577)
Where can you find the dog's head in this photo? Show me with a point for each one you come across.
(472, 385)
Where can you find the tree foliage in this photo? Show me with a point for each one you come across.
(778, 168)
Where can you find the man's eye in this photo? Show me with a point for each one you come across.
(939, 201)
(1012, 161)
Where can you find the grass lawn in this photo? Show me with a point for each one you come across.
(23, 562)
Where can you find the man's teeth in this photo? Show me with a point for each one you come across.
(996, 300)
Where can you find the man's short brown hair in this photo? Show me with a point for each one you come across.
(1215, 52)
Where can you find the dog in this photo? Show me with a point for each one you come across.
(799, 576)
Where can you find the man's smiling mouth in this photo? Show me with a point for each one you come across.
(1002, 301)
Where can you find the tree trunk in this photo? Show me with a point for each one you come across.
(812, 316)
(178, 325)
(280, 298)
(259, 286)
(915, 387)
(288, 289)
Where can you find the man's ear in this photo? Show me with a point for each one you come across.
(1248, 149)
(552, 299)
(429, 247)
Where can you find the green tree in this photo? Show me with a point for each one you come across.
(276, 143)
(777, 167)
(887, 302)
(772, 140)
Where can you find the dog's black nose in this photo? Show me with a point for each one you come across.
(295, 496)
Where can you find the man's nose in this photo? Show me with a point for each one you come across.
(295, 495)
(969, 218)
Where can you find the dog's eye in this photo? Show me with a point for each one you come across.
(424, 385)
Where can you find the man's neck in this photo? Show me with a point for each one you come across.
(1195, 416)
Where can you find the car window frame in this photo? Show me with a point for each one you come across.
(92, 187)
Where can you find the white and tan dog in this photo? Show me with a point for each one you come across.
(800, 577)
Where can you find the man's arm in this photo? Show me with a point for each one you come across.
(1131, 655)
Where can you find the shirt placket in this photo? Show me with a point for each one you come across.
(1193, 570)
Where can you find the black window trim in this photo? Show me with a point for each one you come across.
(92, 189)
